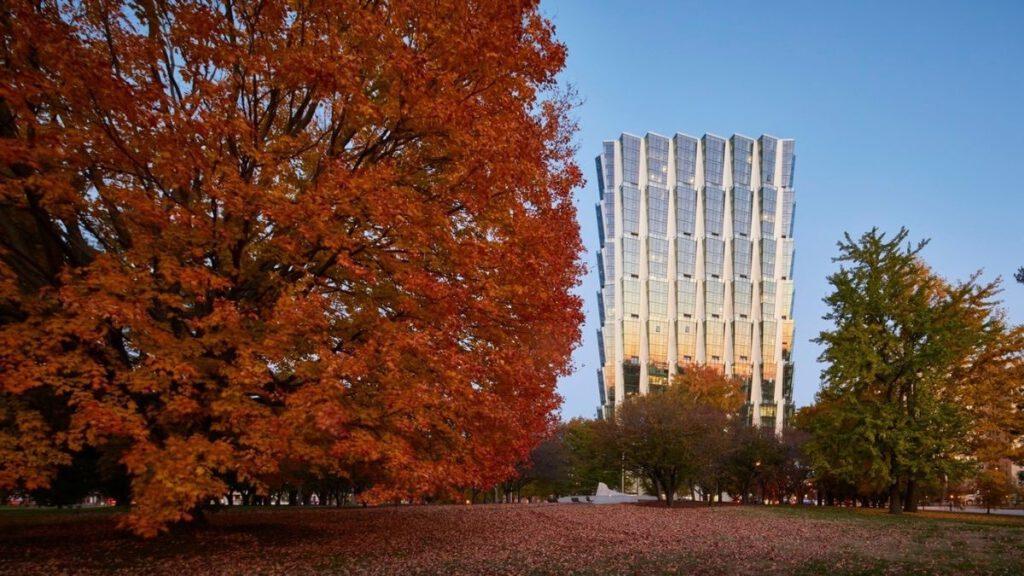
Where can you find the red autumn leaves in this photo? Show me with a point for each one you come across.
(246, 239)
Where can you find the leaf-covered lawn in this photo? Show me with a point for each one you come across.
(518, 539)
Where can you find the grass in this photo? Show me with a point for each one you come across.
(957, 543)
(519, 540)
(883, 516)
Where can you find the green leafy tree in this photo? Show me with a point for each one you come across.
(549, 469)
(753, 461)
(995, 486)
(794, 470)
(888, 410)
(669, 438)
(590, 460)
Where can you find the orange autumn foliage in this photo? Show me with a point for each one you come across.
(706, 384)
(238, 233)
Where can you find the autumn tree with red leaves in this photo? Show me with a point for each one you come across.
(236, 234)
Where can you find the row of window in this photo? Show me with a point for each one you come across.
(657, 377)
(686, 258)
(686, 342)
(686, 299)
(686, 160)
(686, 212)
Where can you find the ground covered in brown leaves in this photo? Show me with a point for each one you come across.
(518, 539)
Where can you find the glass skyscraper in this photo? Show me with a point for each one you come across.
(696, 266)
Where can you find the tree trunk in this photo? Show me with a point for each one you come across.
(894, 498)
(910, 503)
(657, 486)
(671, 485)
(894, 488)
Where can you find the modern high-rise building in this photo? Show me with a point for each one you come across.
(696, 266)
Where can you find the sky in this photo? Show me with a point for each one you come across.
(904, 114)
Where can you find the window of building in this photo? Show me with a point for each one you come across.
(631, 298)
(686, 257)
(608, 334)
(608, 260)
(608, 298)
(742, 212)
(630, 159)
(686, 159)
(657, 159)
(714, 159)
(657, 211)
(686, 340)
(631, 256)
(686, 211)
(788, 210)
(768, 299)
(742, 296)
(657, 342)
(768, 328)
(657, 299)
(742, 250)
(786, 262)
(714, 257)
(630, 209)
(686, 298)
(768, 159)
(743, 333)
(714, 294)
(767, 258)
(787, 341)
(788, 163)
(714, 210)
(715, 341)
(657, 261)
(768, 199)
(631, 339)
(786, 300)
(608, 218)
(742, 160)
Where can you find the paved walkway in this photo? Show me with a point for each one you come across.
(972, 510)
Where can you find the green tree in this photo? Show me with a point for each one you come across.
(794, 470)
(669, 438)
(888, 413)
(752, 462)
(590, 459)
(995, 486)
(549, 469)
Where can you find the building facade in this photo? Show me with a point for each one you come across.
(696, 266)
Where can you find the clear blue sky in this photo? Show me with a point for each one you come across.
(904, 113)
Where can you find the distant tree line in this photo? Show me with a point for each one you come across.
(689, 439)
(922, 398)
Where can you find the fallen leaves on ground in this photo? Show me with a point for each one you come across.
(511, 540)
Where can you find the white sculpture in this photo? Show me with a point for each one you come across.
(605, 495)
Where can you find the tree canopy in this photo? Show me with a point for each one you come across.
(243, 238)
(919, 371)
(674, 436)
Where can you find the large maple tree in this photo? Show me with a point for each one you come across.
(240, 233)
